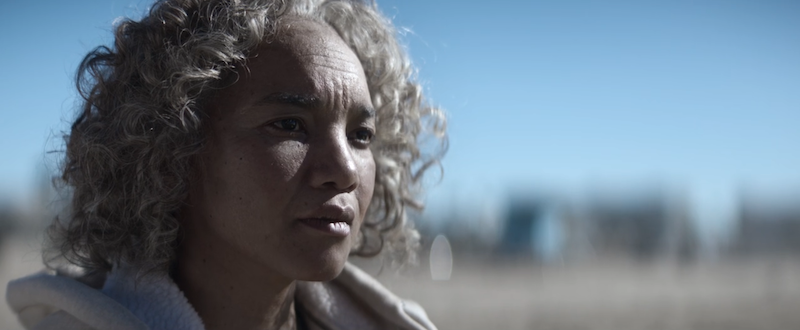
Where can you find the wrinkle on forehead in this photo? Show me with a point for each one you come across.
(309, 46)
(316, 41)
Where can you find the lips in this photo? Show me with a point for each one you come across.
(331, 219)
(328, 226)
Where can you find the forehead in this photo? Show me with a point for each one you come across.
(303, 58)
(304, 47)
(305, 36)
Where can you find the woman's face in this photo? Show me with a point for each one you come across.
(287, 173)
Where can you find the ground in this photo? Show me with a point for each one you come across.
(761, 293)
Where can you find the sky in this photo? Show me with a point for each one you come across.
(702, 97)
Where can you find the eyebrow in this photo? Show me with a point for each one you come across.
(298, 100)
(367, 112)
(308, 102)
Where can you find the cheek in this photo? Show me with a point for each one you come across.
(270, 167)
(280, 162)
(246, 177)
(367, 180)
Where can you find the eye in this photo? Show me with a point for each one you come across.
(363, 135)
(289, 124)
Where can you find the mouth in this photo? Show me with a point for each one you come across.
(331, 219)
(331, 227)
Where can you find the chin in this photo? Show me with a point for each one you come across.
(323, 274)
(325, 267)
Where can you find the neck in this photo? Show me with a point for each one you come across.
(229, 291)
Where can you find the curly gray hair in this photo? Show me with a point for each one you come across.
(131, 149)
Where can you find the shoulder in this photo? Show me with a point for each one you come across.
(355, 300)
(48, 301)
(121, 301)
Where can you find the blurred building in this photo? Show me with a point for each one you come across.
(533, 226)
(767, 226)
(645, 225)
(641, 226)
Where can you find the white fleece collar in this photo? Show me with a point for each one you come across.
(354, 300)
(155, 299)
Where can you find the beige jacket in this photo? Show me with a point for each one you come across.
(354, 300)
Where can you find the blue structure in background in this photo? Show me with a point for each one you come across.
(532, 228)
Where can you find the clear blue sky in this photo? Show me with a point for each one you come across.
(702, 95)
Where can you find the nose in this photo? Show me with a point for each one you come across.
(333, 164)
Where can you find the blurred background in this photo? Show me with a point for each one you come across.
(612, 164)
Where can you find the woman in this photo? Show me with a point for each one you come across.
(228, 158)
